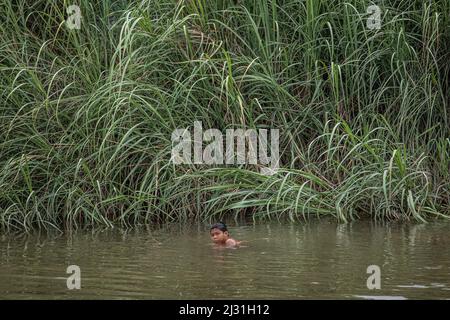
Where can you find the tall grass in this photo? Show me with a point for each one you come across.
(86, 115)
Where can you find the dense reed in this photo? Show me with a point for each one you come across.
(86, 115)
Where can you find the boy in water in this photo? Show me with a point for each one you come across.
(220, 235)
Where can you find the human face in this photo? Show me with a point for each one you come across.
(218, 236)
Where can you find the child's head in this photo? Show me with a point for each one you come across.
(219, 233)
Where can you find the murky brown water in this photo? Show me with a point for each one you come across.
(280, 261)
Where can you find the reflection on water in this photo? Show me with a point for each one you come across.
(382, 297)
(284, 261)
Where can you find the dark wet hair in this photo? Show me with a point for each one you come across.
(220, 225)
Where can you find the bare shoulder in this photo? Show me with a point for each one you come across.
(232, 243)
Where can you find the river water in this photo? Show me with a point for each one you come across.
(311, 260)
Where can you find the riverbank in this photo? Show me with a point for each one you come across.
(87, 114)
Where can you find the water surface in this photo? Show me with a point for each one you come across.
(316, 259)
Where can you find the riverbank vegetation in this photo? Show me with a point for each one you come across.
(86, 115)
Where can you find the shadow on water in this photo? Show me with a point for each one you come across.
(315, 259)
